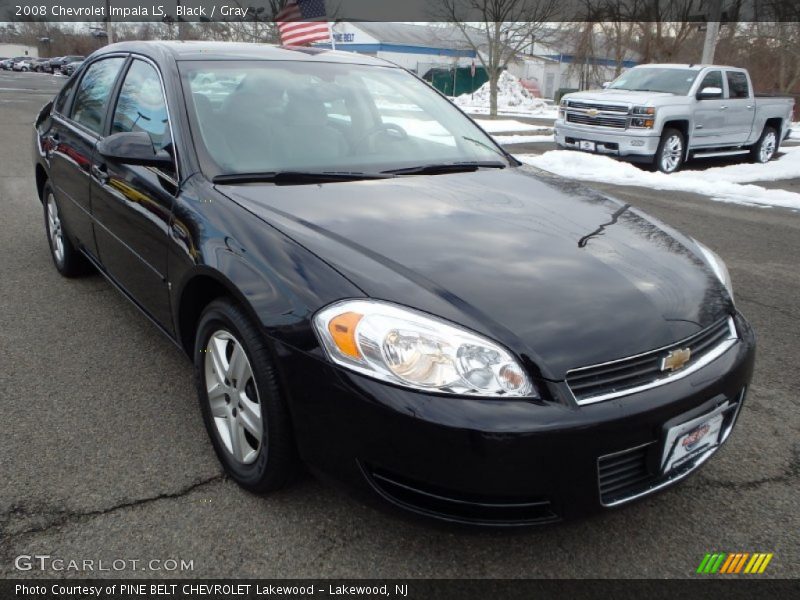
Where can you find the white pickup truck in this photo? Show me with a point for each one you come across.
(665, 114)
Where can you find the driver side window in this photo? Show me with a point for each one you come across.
(141, 105)
(712, 79)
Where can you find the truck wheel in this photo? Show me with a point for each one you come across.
(764, 149)
(669, 156)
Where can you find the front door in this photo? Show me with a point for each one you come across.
(709, 113)
(132, 204)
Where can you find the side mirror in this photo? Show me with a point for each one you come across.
(133, 148)
(606, 84)
(709, 93)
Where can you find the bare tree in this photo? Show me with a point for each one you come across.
(497, 30)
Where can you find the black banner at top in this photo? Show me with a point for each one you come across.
(132, 11)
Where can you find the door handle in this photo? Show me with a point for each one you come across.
(100, 173)
(723, 108)
(750, 107)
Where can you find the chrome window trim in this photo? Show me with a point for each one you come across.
(703, 361)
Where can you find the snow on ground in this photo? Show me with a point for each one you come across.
(523, 139)
(548, 112)
(512, 97)
(724, 184)
(504, 125)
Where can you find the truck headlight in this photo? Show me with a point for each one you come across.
(409, 348)
(717, 265)
(643, 117)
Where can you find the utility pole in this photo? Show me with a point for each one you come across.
(712, 31)
(109, 29)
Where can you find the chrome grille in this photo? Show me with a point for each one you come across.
(593, 105)
(629, 375)
(598, 121)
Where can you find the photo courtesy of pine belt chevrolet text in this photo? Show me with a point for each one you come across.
(368, 285)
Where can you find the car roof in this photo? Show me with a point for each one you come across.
(201, 50)
(695, 67)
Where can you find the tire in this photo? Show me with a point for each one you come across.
(66, 257)
(224, 333)
(764, 149)
(671, 151)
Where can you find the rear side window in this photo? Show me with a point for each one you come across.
(94, 93)
(141, 105)
(737, 84)
(712, 79)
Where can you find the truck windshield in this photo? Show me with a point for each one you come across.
(322, 117)
(644, 79)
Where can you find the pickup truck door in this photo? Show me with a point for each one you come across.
(740, 114)
(709, 113)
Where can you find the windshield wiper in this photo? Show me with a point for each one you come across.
(438, 169)
(295, 177)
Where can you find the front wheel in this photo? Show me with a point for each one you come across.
(671, 150)
(764, 149)
(243, 408)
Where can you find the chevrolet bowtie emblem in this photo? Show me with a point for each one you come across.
(592, 112)
(676, 359)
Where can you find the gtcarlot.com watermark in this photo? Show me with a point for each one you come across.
(57, 564)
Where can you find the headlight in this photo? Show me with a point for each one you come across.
(717, 265)
(644, 110)
(415, 350)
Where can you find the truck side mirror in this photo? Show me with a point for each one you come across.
(606, 84)
(709, 93)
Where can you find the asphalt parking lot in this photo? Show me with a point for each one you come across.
(104, 454)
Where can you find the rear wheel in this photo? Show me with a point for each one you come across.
(243, 409)
(766, 146)
(67, 259)
(671, 150)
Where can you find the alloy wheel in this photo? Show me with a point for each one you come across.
(671, 153)
(767, 147)
(233, 397)
(54, 230)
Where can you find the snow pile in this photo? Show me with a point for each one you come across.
(505, 125)
(523, 139)
(724, 184)
(510, 95)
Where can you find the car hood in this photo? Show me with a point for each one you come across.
(564, 276)
(624, 96)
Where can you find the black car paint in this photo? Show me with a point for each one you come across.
(562, 276)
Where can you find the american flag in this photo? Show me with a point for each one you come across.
(299, 22)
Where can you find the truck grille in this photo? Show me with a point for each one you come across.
(628, 375)
(601, 107)
(598, 121)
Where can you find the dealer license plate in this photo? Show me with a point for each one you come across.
(588, 146)
(687, 440)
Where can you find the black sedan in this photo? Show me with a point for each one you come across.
(367, 283)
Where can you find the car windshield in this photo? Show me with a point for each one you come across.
(671, 81)
(291, 116)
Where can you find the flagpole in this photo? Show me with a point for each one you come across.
(330, 31)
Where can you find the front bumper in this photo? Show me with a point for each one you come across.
(634, 145)
(499, 462)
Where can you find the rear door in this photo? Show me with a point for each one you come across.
(132, 204)
(79, 114)
(741, 107)
(709, 114)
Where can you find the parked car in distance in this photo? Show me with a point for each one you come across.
(40, 64)
(57, 63)
(23, 65)
(70, 67)
(666, 114)
(381, 291)
(8, 64)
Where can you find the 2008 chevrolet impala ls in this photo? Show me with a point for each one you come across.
(367, 283)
